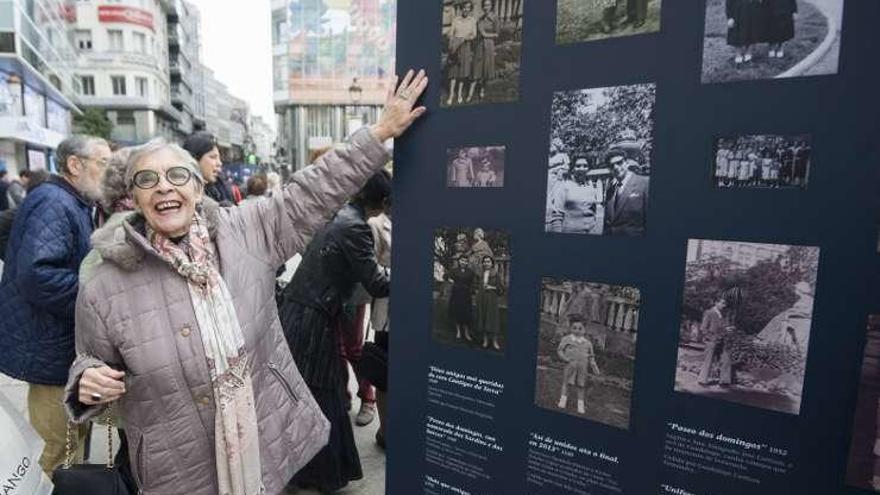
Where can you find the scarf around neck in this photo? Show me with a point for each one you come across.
(236, 438)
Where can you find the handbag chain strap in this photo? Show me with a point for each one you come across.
(69, 448)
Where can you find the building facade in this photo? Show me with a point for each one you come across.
(37, 82)
(184, 66)
(330, 67)
(225, 117)
(123, 67)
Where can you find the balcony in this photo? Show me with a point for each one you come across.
(173, 38)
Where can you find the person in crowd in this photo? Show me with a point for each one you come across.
(180, 273)
(636, 12)
(461, 54)
(779, 18)
(486, 177)
(4, 185)
(714, 330)
(576, 350)
(379, 314)
(351, 349)
(722, 162)
(257, 188)
(627, 198)
(743, 27)
(461, 172)
(801, 162)
(461, 310)
(478, 250)
(315, 321)
(490, 288)
(488, 30)
(785, 157)
(202, 146)
(7, 217)
(576, 202)
(17, 189)
(38, 292)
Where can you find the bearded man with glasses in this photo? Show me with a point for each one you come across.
(49, 239)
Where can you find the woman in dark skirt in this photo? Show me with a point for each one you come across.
(461, 311)
(779, 24)
(489, 290)
(744, 26)
(461, 53)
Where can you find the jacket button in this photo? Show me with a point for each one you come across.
(205, 400)
(185, 331)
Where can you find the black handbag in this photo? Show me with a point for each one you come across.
(94, 479)
(373, 364)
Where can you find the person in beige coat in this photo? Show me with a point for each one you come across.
(177, 322)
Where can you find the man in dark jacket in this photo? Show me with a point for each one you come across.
(50, 237)
(627, 197)
(315, 320)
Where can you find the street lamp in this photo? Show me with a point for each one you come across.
(355, 92)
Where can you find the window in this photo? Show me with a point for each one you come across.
(142, 86)
(118, 85)
(83, 39)
(140, 42)
(125, 117)
(88, 85)
(115, 36)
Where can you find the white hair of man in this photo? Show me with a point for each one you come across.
(77, 145)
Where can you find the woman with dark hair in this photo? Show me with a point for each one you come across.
(490, 287)
(316, 319)
(461, 53)
(461, 311)
(202, 146)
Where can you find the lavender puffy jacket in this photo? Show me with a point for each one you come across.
(134, 313)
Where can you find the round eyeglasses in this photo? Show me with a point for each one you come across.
(148, 179)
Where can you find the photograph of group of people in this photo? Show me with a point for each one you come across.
(763, 161)
(475, 167)
(863, 468)
(587, 20)
(586, 350)
(763, 39)
(601, 142)
(471, 280)
(481, 51)
(745, 325)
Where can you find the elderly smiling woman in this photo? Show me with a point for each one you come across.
(178, 322)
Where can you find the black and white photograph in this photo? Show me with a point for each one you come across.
(771, 39)
(863, 468)
(481, 166)
(762, 161)
(599, 167)
(471, 281)
(745, 324)
(482, 41)
(587, 20)
(587, 350)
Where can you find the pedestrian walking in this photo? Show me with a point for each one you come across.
(38, 292)
(316, 323)
(184, 275)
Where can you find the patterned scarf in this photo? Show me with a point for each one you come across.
(236, 438)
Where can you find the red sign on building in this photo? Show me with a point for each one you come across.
(127, 15)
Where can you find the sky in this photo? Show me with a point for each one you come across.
(237, 46)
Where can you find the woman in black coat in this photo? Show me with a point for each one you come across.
(744, 26)
(779, 16)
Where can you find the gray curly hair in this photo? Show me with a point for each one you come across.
(182, 157)
(114, 189)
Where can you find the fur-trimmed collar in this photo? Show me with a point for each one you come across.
(122, 240)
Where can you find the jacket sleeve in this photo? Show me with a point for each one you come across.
(358, 248)
(44, 276)
(93, 350)
(279, 227)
